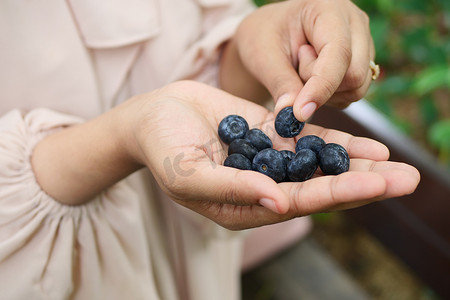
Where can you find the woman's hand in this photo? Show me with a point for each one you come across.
(175, 132)
(307, 53)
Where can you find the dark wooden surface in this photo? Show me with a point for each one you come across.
(416, 227)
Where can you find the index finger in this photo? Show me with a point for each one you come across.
(331, 39)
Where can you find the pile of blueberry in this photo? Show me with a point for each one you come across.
(251, 149)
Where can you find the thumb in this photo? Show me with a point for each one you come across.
(238, 187)
(330, 38)
(323, 75)
(225, 185)
(307, 58)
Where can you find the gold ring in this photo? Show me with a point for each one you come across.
(375, 69)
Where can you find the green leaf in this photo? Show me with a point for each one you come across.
(428, 110)
(438, 54)
(382, 104)
(416, 44)
(443, 4)
(385, 6)
(263, 2)
(439, 134)
(431, 78)
(379, 27)
(414, 6)
(369, 6)
(395, 85)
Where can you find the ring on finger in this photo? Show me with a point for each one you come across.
(375, 69)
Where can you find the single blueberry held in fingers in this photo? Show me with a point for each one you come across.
(271, 163)
(286, 125)
(258, 139)
(232, 127)
(238, 161)
(303, 166)
(243, 147)
(334, 159)
(312, 142)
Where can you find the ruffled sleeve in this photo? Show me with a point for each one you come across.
(53, 251)
(19, 133)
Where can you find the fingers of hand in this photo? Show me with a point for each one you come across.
(330, 37)
(235, 217)
(367, 181)
(215, 183)
(265, 49)
(358, 77)
(357, 147)
(233, 198)
(335, 67)
(354, 85)
(401, 179)
(324, 193)
(326, 76)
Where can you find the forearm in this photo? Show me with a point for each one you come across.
(78, 162)
(236, 79)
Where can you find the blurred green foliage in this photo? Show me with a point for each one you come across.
(412, 46)
(413, 49)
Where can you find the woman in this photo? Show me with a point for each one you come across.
(110, 179)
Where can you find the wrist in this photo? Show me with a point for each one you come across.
(73, 165)
(131, 127)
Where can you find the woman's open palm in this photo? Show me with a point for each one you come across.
(178, 139)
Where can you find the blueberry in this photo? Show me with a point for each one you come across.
(243, 147)
(286, 125)
(333, 159)
(312, 142)
(271, 163)
(232, 127)
(238, 161)
(303, 166)
(258, 139)
(288, 155)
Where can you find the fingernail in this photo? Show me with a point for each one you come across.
(269, 204)
(284, 100)
(308, 110)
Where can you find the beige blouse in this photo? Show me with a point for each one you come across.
(62, 62)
